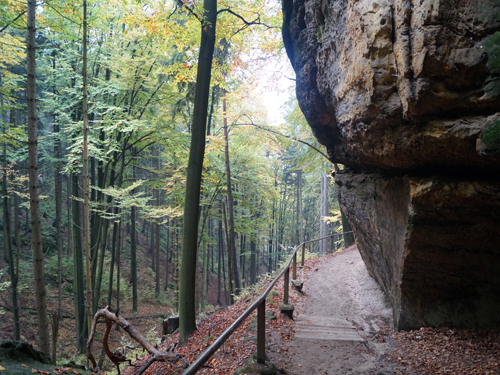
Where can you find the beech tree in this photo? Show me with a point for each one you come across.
(187, 308)
(142, 91)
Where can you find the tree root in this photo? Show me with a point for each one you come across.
(118, 357)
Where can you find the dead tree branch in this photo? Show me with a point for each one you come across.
(117, 357)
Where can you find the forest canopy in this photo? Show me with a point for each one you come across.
(115, 88)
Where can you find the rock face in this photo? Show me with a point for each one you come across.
(406, 95)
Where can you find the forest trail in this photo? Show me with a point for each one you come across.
(339, 320)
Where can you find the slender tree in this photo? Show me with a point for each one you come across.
(78, 274)
(187, 308)
(300, 226)
(133, 253)
(157, 225)
(86, 184)
(253, 261)
(36, 224)
(6, 224)
(233, 261)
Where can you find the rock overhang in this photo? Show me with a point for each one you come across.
(405, 94)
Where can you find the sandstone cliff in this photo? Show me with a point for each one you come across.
(406, 95)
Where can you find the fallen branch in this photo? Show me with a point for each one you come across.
(117, 357)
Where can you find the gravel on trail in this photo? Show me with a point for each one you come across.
(343, 325)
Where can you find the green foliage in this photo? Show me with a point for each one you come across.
(51, 269)
(142, 58)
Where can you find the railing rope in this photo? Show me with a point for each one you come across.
(260, 305)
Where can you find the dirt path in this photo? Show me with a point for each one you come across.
(341, 321)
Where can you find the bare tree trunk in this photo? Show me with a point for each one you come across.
(253, 261)
(158, 267)
(187, 308)
(118, 265)
(243, 260)
(167, 252)
(86, 185)
(113, 258)
(58, 199)
(152, 246)
(300, 227)
(36, 225)
(78, 275)
(69, 237)
(233, 261)
(204, 276)
(228, 257)
(219, 261)
(6, 225)
(133, 257)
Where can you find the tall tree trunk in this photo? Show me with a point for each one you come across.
(152, 246)
(168, 252)
(204, 276)
(69, 237)
(228, 257)
(233, 260)
(219, 261)
(133, 257)
(118, 265)
(6, 223)
(100, 270)
(300, 227)
(78, 275)
(158, 268)
(243, 259)
(175, 261)
(36, 225)
(253, 261)
(227, 296)
(58, 199)
(86, 185)
(187, 308)
(58, 202)
(113, 258)
(212, 252)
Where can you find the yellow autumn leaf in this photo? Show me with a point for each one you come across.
(2, 368)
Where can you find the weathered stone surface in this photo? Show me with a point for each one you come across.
(406, 95)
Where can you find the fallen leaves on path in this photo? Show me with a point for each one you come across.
(427, 351)
(449, 351)
(237, 350)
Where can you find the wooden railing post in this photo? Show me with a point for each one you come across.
(294, 266)
(303, 254)
(331, 244)
(261, 332)
(285, 289)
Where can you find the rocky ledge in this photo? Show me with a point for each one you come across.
(406, 95)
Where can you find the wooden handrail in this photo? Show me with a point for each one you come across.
(260, 303)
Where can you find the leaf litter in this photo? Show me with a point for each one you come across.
(427, 351)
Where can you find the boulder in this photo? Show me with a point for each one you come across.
(406, 96)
